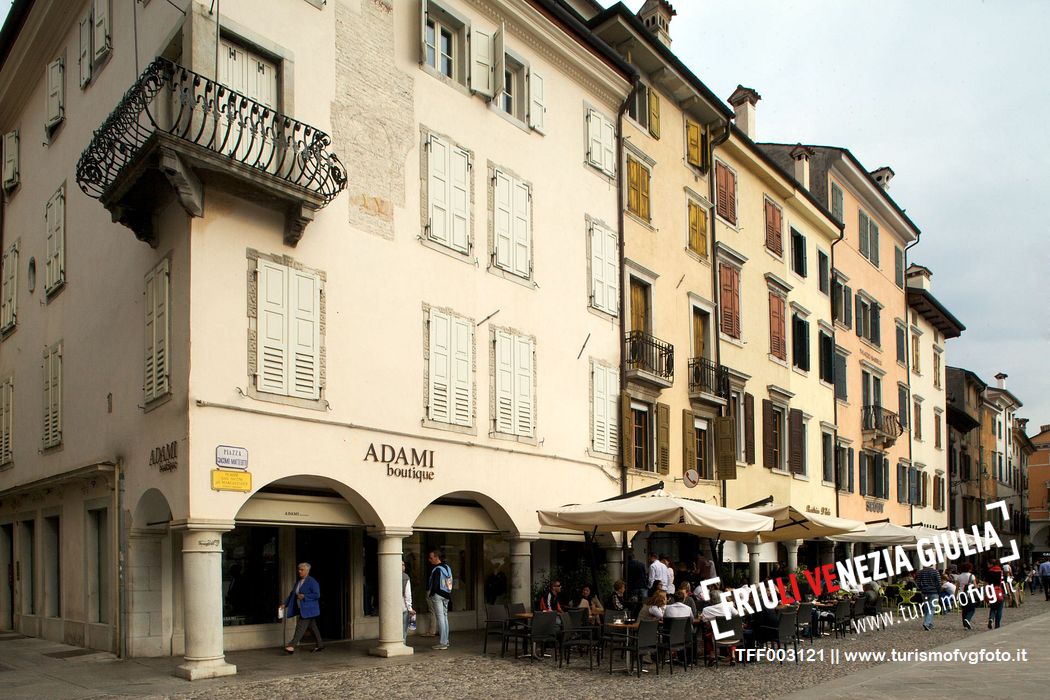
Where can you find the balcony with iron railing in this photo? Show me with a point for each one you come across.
(649, 359)
(178, 126)
(881, 426)
(707, 379)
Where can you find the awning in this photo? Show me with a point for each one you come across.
(882, 533)
(792, 524)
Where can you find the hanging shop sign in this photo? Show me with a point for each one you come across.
(224, 480)
(227, 457)
(165, 457)
(402, 463)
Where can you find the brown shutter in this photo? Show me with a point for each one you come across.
(749, 428)
(796, 436)
(768, 459)
(769, 224)
(654, 113)
(725, 298)
(777, 339)
(663, 438)
(725, 447)
(778, 230)
(734, 298)
(722, 187)
(688, 441)
(731, 194)
(699, 332)
(627, 431)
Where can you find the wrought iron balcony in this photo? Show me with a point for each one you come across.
(183, 125)
(881, 426)
(706, 377)
(649, 359)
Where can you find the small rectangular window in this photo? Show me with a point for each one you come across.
(774, 227)
(823, 272)
(725, 186)
(836, 202)
(800, 342)
(827, 357)
(601, 142)
(827, 446)
(704, 466)
(638, 200)
(697, 228)
(512, 224)
(798, 253)
(514, 395)
(643, 436)
(443, 45)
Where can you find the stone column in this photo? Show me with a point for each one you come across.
(391, 601)
(202, 602)
(753, 557)
(613, 565)
(521, 570)
(792, 550)
(827, 552)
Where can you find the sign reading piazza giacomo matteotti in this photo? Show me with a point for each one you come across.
(416, 464)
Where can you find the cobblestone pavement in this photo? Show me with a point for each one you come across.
(474, 676)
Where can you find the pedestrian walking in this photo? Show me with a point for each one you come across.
(303, 603)
(439, 593)
(965, 583)
(995, 606)
(929, 584)
(1044, 577)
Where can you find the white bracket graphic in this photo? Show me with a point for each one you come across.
(1001, 505)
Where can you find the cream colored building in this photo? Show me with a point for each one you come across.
(345, 350)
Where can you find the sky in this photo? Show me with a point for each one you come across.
(954, 95)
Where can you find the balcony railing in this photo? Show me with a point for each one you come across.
(706, 377)
(213, 127)
(651, 355)
(881, 421)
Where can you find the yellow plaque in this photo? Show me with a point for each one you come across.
(231, 481)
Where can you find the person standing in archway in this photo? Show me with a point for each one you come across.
(439, 593)
(303, 602)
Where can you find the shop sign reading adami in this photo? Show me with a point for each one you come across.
(418, 464)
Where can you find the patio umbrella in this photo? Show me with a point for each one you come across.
(881, 533)
(792, 524)
(659, 511)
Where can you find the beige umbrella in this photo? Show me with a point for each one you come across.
(791, 524)
(882, 533)
(658, 511)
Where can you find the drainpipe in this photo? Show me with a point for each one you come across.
(122, 560)
(907, 364)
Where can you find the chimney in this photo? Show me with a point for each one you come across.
(801, 155)
(918, 277)
(744, 100)
(883, 176)
(656, 16)
(1000, 380)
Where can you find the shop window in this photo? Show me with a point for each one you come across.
(251, 585)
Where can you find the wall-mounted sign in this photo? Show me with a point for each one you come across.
(222, 480)
(691, 477)
(417, 464)
(870, 358)
(874, 506)
(227, 457)
(166, 457)
(822, 510)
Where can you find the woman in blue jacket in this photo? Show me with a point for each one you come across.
(302, 602)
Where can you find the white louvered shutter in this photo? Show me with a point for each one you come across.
(524, 400)
(9, 312)
(261, 81)
(11, 174)
(594, 139)
(438, 400)
(157, 362)
(537, 102)
(481, 61)
(52, 432)
(423, 10)
(55, 216)
(102, 33)
(458, 199)
(503, 213)
(304, 333)
(149, 382)
(55, 94)
(612, 397)
(612, 269)
(499, 64)
(600, 410)
(7, 391)
(505, 379)
(438, 190)
(599, 293)
(272, 329)
(521, 229)
(85, 58)
(462, 376)
(233, 67)
(608, 146)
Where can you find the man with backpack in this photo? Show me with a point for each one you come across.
(439, 591)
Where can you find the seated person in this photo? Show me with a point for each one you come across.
(764, 627)
(716, 608)
(548, 600)
(653, 609)
(871, 599)
(617, 600)
(687, 591)
(679, 608)
(584, 599)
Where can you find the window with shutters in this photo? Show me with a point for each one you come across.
(725, 189)
(868, 318)
(12, 171)
(841, 301)
(287, 315)
(840, 376)
(916, 419)
(604, 267)
(55, 111)
(697, 215)
(511, 223)
(800, 342)
(737, 410)
(777, 326)
(101, 38)
(643, 436)
(936, 368)
(52, 431)
(512, 98)
(798, 442)
(823, 272)
(868, 238)
(729, 300)
(7, 420)
(449, 369)
(777, 438)
(844, 471)
(827, 357)
(55, 221)
(697, 145)
(638, 179)
(513, 383)
(902, 343)
(605, 408)
(443, 43)
(916, 354)
(774, 227)
(157, 377)
(601, 142)
(937, 429)
(836, 202)
(9, 273)
(644, 109)
(704, 465)
(827, 457)
(902, 404)
(798, 253)
(898, 266)
(449, 194)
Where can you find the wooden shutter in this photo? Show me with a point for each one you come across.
(11, 169)
(699, 332)
(521, 229)
(101, 38)
(725, 209)
(504, 382)
(724, 300)
(731, 194)
(654, 113)
(458, 198)
(594, 139)
(55, 216)
(873, 243)
(913, 486)
(774, 228)
(749, 428)
(634, 186)
(688, 441)
(768, 455)
(7, 390)
(875, 332)
(272, 328)
(524, 401)
(499, 65)
(777, 331)
(438, 185)
(461, 373)
(862, 234)
(849, 470)
(9, 274)
(885, 477)
(859, 307)
(304, 335)
(156, 376)
(503, 212)
(606, 406)
(725, 446)
(439, 399)
(627, 431)
(796, 441)
(663, 438)
(639, 306)
(847, 305)
(53, 396)
(537, 101)
(836, 201)
(56, 97)
(423, 12)
(608, 146)
(85, 56)
(692, 144)
(863, 473)
(902, 483)
(898, 266)
(605, 280)
(697, 228)
(481, 62)
(644, 199)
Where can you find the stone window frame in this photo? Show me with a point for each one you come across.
(425, 421)
(470, 256)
